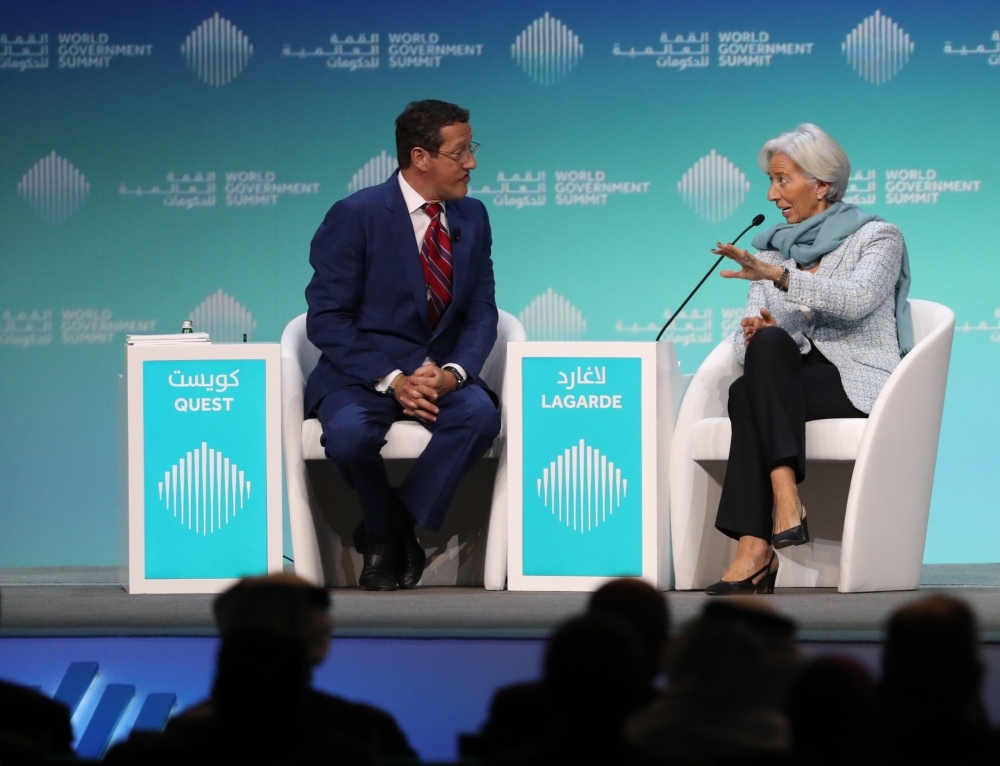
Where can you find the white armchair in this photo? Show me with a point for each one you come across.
(319, 554)
(868, 481)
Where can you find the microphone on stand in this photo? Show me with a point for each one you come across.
(757, 221)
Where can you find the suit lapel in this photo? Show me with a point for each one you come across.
(461, 254)
(401, 229)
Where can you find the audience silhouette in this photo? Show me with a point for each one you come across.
(274, 631)
(521, 715)
(644, 609)
(831, 711)
(286, 600)
(594, 678)
(730, 670)
(735, 691)
(931, 682)
(33, 728)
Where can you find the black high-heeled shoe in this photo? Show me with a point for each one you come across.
(797, 535)
(761, 581)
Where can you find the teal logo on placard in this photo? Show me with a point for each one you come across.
(582, 466)
(205, 469)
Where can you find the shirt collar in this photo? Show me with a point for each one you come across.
(411, 197)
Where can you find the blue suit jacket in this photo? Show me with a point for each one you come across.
(368, 298)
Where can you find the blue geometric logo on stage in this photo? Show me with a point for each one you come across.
(115, 700)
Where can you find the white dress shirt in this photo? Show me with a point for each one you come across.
(420, 221)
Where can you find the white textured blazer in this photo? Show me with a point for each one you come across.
(848, 308)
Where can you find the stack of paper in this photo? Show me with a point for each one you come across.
(167, 340)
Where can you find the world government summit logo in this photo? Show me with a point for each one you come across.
(204, 489)
(713, 187)
(550, 316)
(547, 50)
(582, 488)
(376, 171)
(224, 318)
(878, 48)
(53, 189)
(217, 51)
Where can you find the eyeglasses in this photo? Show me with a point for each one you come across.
(463, 155)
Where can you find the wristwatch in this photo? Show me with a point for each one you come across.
(457, 373)
(782, 282)
(391, 389)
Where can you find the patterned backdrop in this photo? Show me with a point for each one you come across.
(166, 161)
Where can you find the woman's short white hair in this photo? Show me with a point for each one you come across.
(818, 156)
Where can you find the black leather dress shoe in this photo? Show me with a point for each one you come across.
(380, 554)
(410, 556)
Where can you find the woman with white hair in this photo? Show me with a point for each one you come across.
(826, 323)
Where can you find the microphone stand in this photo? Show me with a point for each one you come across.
(715, 265)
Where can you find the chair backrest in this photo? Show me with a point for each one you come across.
(927, 317)
(933, 328)
(509, 330)
(295, 345)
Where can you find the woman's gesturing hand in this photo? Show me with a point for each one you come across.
(751, 268)
(752, 324)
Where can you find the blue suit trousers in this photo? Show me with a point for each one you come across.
(355, 420)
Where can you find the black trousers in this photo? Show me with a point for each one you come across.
(780, 390)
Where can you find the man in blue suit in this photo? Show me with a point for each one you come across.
(402, 306)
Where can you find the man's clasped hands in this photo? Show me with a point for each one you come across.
(417, 393)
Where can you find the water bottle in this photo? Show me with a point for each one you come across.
(187, 326)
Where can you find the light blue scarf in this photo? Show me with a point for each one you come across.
(808, 241)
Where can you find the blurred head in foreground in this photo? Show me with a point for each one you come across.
(730, 669)
(640, 606)
(283, 604)
(931, 653)
(594, 677)
(831, 696)
(931, 679)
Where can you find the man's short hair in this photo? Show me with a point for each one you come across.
(420, 125)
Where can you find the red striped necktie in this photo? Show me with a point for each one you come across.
(435, 257)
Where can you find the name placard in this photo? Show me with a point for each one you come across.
(203, 466)
(582, 466)
(589, 428)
